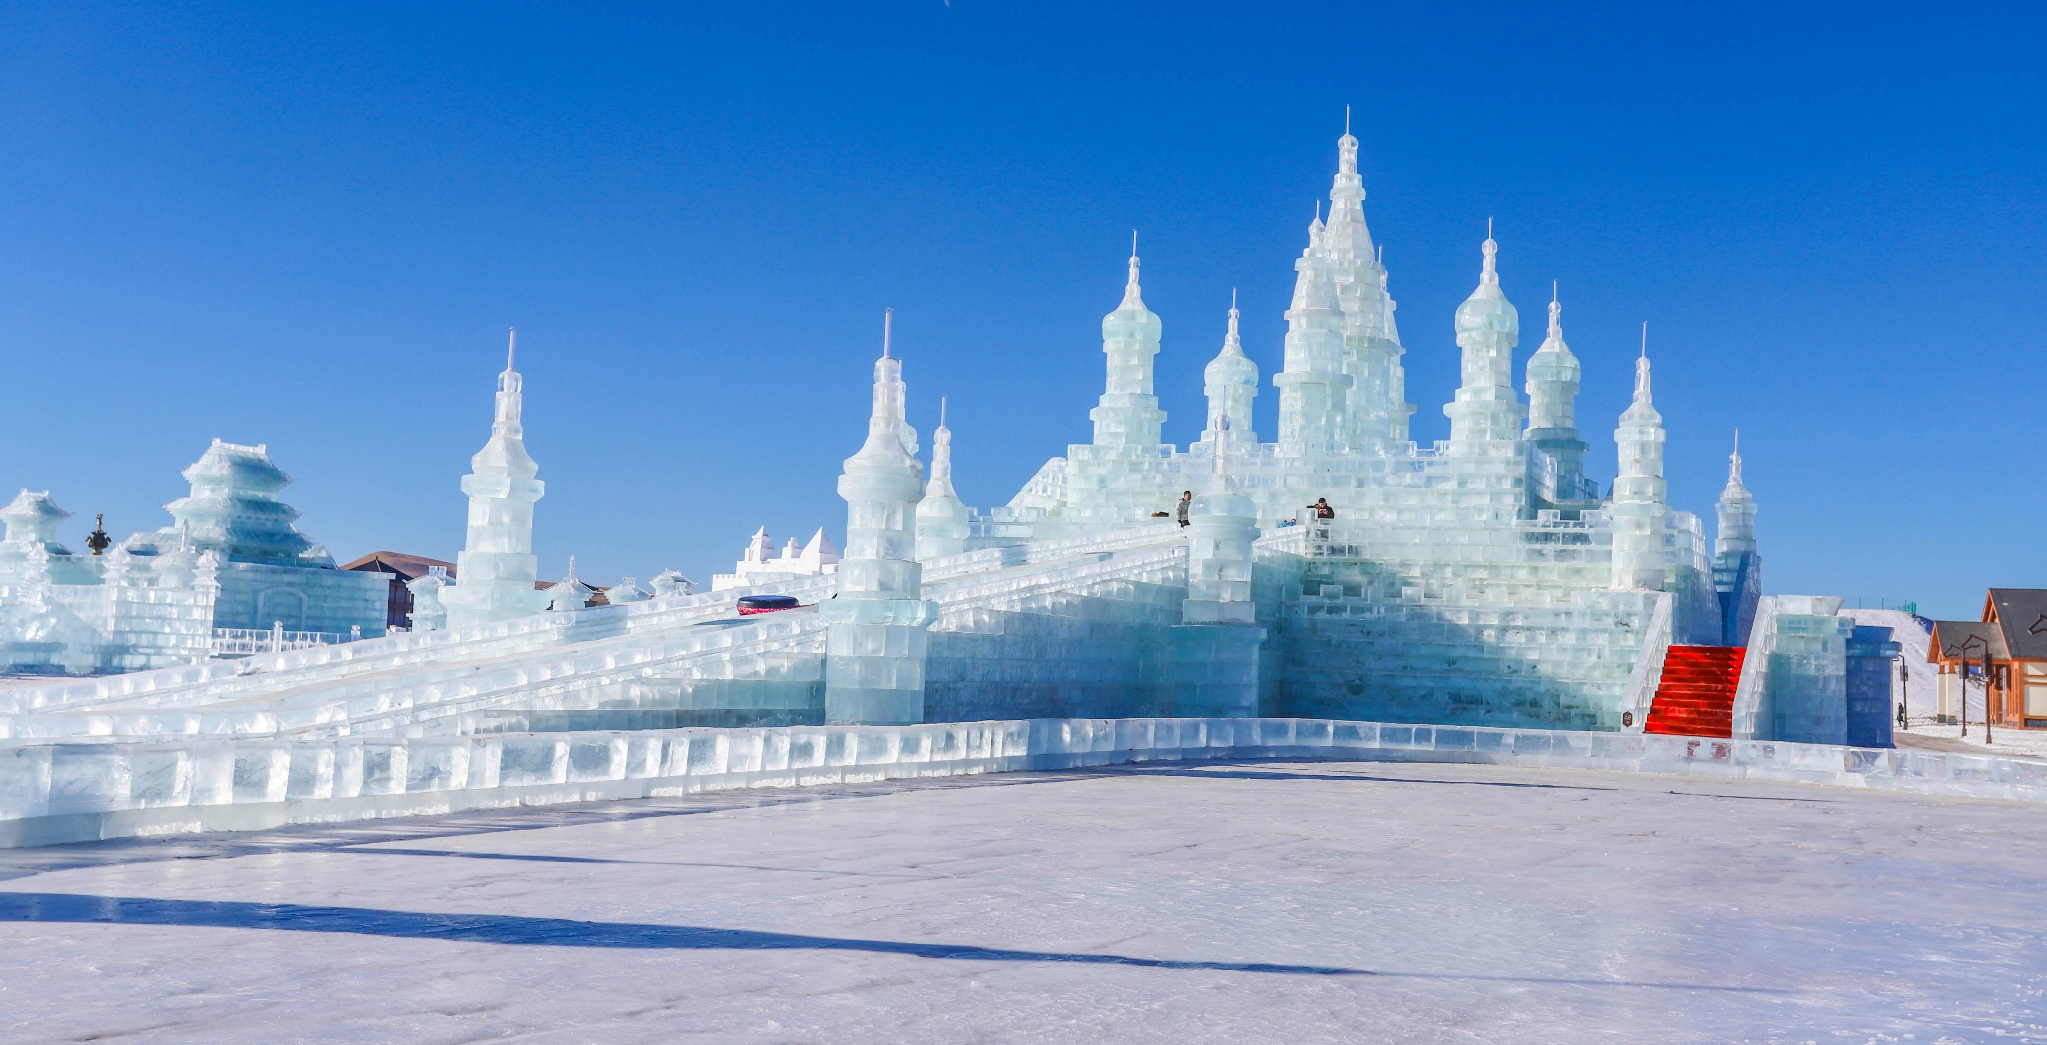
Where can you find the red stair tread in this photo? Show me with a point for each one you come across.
(1695, 696)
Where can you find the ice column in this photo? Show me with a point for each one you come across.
(1737, 567)
(1129, 418)
(497, 568)
(1215, 650)
(941, 515)
(874, 650)
(1231, 382)
(1313, 387)
(1552, 394)
(1485, 419)
(1399, 409)
(1638, 507)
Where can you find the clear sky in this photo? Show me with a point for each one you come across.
(310, 226)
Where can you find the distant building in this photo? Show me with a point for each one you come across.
(759, 565)
(2013, 632)
(403, 569)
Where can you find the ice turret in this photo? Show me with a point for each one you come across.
(1737, 510)
(1360, 297)
(941, 515)
(1486, 413)
(1737, 566)
(1552, 394)
(874, 651)
(569, 593)
(1639, 505)
(1231, 382)
(496, 569)
(33, 518)
(1129, 418)
(1313, 389)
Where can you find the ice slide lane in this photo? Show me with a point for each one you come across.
(361, 689)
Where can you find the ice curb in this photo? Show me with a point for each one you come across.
(72, 792)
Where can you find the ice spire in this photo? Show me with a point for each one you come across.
(1737, 509)
(1552, 391)
(1128, 421)
(1313, 387)
(1486, 416)
(1639, 503)
(1231, 382)
(941, 516)
(874, 647)
(496, 568)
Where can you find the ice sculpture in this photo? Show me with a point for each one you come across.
(1314, 390)
(497, 566)
(1128, 419)
(1230, 381)
(623, 592)
(670, 582)
(1737, 566)
(1485, 418)
(1638, 493)
(941, 517)
(1552, 422)
(874, 654)
(569, 593)
(428, 614)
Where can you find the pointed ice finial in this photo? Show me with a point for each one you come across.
(1133, 294)
(1734, 461)
(1346, 119)
(1232, 346)
(1133, 243)
(941, 411)
(512, 348)
(1490, 274)
(1556, 311)
(1642, 369)
(888, 323)
(1645, 339)
(1318, 212)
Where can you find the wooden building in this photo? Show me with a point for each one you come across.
(2013, 632)
(402, 568)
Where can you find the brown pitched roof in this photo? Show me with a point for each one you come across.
(410, 567)
(2021, 616)
(1957, 639)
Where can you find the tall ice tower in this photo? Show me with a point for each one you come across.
(1486, 417)
(1129, 418)
(1230, 381)
(1552, 398)
(1639, 501)
(496, 569)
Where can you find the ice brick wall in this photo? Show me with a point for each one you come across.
(256, 595)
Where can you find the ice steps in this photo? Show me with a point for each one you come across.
(1695, 696)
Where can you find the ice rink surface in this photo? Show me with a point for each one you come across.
(1240, 903)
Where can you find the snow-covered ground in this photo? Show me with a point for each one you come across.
(1325, 902)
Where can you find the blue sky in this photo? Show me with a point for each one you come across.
(309, 227)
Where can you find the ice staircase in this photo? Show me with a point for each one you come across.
(1695, 696)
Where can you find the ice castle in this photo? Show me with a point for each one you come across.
(1481, 588)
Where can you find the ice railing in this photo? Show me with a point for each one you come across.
(231, 642)
(201, 684)
(1039, 553)
(1751, 696)
(1647, 673)
(70, 792)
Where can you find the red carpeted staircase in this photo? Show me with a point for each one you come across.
(1695, 697)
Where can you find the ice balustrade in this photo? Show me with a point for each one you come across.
(229, 642)
(57, 793)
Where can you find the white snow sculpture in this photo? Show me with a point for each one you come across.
(497, 567)
(941, 516)
(874, 651)
(759, 565)
(1639, 492)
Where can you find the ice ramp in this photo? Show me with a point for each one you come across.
(668, 662)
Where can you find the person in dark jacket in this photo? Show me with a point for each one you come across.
(1180, 511)
(1321, 508)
